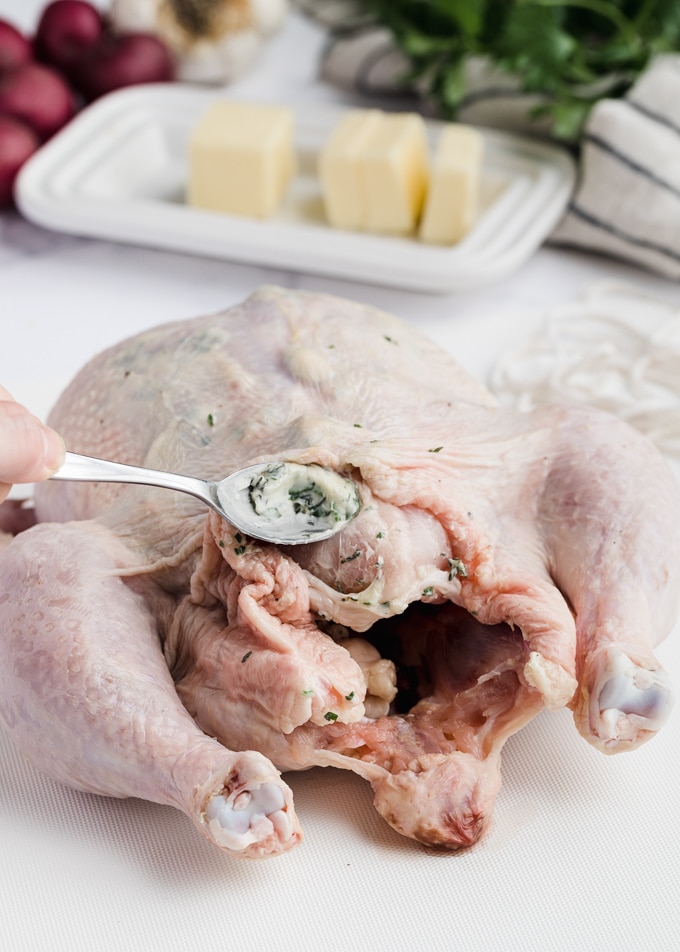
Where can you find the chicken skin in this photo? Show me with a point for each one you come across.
(501, 563)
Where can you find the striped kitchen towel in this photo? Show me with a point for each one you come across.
(627, 200)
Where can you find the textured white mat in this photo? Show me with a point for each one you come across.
(584, 854)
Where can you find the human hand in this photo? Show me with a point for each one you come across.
(29, 450)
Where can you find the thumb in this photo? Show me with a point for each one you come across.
(29, 450)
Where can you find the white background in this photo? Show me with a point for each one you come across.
(584, 853)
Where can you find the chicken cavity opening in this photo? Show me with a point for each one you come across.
(431, 650)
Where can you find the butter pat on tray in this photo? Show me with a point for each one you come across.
(452, 201)
(374, 171)
(241, 158)
(340, 169)
(395, 173)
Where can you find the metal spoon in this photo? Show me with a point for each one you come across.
(284, 503)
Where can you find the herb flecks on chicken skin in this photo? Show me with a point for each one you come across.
(501, 563)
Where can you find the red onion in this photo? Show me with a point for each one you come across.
(17, 143)
(38, 96)
(67, 31)
(15, 50)
(124, 60)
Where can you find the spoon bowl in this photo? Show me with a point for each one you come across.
(280, 502)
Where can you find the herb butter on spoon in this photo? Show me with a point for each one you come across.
(284, 503)
(299, 503)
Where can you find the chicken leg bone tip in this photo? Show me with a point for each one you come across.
(628, 702)
(248, 816)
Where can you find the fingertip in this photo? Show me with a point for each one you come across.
(54, 450)
(29, 450)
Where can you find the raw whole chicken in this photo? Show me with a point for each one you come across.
(502, 563)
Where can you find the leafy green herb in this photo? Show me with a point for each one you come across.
(331, 716)
(350, 696)
(437, 449)
(428, 591)
(381, 534)
(221, 543)
(352, 557)
(573, 52)
(308, 692)
(239, 550)
(246, 656)
(312, 501)
(456, 567)
(211, 420)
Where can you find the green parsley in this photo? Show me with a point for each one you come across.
(311, 500)
(456, 567)
(331, 716)
(573, 53)
(246, 656)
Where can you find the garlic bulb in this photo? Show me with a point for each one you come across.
(212, 41)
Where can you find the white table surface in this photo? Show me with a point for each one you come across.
(584, 853)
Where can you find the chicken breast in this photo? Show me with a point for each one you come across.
(501, 563)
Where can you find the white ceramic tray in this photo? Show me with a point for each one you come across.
(118, 171)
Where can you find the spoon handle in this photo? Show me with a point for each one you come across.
(91, 469)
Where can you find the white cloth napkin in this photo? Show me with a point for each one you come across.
(626, 201)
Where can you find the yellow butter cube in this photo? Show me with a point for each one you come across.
(241, 158)
(452, 202)
(340, 174)
(395, 171)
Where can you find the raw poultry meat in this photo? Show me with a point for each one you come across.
(502, 563)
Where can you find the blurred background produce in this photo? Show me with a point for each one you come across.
(600, 76)
(81, 51)
(211, 40)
